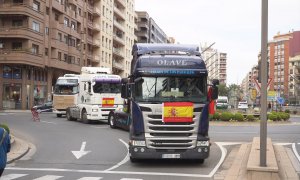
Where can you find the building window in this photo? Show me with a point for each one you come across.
(59, 56)
(66, 39)
(17, 45)
(59, 37)
(35, 49)
(17, 22)
(46, 30)
(73, 26)
(47, 10)
(56, 17)
(46, 51)
(66, 22)
(36, 26)
(36, 5)
(65, 57)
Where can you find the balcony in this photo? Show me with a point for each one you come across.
(96, 58)
(118, 52)
(22, 56)
(56, 63)
(97, 12)
(20, 8)
(72, 2)
(97, 43)
(21, 32)
(89, 39)
(119, 40)
(89, 7)
(118, 65)
(58, 6)
(96, 27)
(119, 13)
(119, 25)
(121, 2)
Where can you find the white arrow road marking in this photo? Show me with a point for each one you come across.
(82, 152)
(48, 177)
(295, 151)
(12, 176)
(124, 160)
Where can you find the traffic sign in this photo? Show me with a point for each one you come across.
(280, 100)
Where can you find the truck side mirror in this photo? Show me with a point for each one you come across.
(215, 92)
(124, 91)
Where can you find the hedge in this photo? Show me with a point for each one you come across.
(238, 117)
(5, 127)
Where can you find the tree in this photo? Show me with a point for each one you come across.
(223, 90)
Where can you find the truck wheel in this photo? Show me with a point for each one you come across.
(69, 117)
(58, 115)
(133, 160)
(111, 121)
(84, 117)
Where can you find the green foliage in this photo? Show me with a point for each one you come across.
(287, 111)
(5, 127)
(216, 116)
(238, 117)
(278, 116)
(250, 117)
(223, 90)
(272, 117)
(226, 116)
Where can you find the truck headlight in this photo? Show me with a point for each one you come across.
(138, 143)
(94, 110)
(202, 143)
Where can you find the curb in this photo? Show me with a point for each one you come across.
(19, 148)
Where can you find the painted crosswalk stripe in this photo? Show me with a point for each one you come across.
(130, 179)
(90, 178)
(48, 177)
(12, 176)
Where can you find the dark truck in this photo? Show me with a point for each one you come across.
(168, 100)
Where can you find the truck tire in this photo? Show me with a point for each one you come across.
(84, 117)
(134, 160)
(58, 115)
(69, 117)
(111, 121)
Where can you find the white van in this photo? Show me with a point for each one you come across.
(222, 102)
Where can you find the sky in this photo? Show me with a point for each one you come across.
(234, 26)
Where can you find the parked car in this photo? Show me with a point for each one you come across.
(119, 119)
(46, 107)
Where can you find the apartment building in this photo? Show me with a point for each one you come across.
(148, 31)
(41, 40)
(280, 49)
(216, 63)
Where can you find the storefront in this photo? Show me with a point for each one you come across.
(24, 86)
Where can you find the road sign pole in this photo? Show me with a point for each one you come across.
(263, 90)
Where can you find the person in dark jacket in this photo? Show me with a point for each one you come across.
(4, 148)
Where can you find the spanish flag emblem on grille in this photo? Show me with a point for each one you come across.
(178, 112)
(108, 102)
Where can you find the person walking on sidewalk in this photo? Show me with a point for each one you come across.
(4, 148)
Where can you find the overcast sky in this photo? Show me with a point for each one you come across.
(233, 24)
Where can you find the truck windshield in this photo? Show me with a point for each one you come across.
(66, 89)
(161, 89)
(222, 101)
(107, 88)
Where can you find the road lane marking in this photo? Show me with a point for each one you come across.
(124, 160)
(109, 172)
(48, 122)
(48, 177)
(90, 178)
(81, 152)
(130, 179)
(97, 127)
(282, 144)
(12, 176)
(295, 151)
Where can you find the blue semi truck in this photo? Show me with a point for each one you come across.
(168, 103)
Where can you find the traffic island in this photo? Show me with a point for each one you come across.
(254, 170)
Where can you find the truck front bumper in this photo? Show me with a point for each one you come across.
(55, 111)
(139, 152)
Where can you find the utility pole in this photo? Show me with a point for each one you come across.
(263, 91)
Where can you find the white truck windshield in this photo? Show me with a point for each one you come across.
(163, 89)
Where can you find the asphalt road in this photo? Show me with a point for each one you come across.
(54, 140)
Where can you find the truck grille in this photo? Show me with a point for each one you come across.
(170, 135)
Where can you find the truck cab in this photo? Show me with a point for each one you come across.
(167, 94)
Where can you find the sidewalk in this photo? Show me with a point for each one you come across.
(18, 149)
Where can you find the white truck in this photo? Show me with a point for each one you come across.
(99, 94)
(222, 102)
(65, 93)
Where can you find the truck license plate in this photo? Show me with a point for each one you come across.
(171, 156)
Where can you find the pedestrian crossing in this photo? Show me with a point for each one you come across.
(53, 177)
